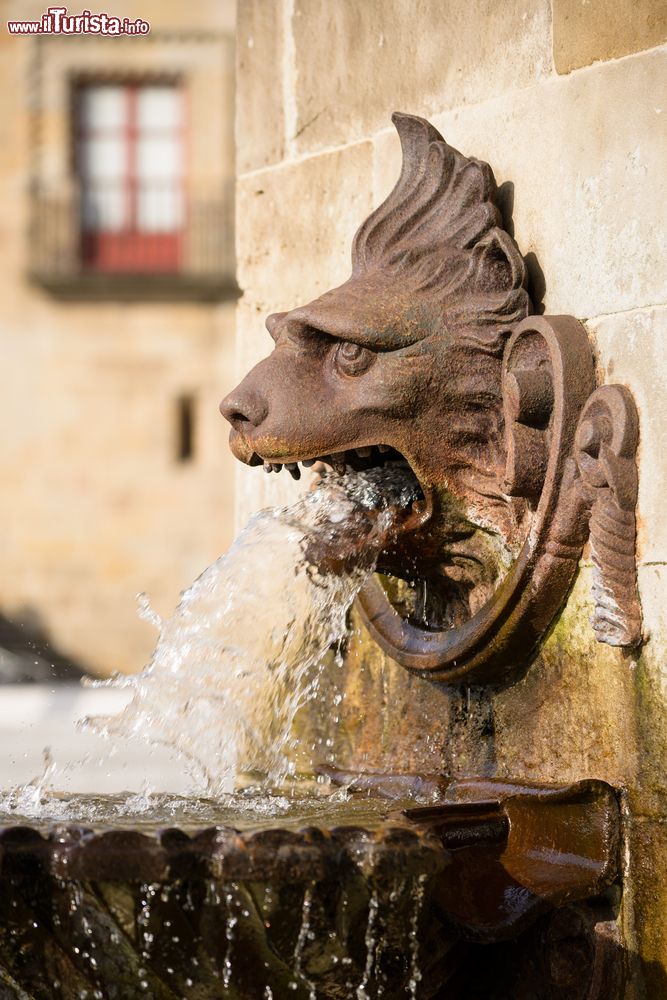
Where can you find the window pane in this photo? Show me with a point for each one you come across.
(158, 108)
(104, 209)
(103, 157)
(158, 157)
(130, 161)
(103, 107)
(159, 209)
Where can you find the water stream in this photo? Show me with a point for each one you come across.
(246, 646)
(242, 652)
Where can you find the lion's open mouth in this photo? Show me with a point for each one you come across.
(362, 459)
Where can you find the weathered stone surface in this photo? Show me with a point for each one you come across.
(648, 795)
(585, 31)
(631, 350)
(357, 62)
(648, 860)
(259, 96)
(573, 713)
(295, 226)
(583, 162)
(572, 716)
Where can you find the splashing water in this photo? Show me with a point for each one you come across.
(242, 651)
(27, 798)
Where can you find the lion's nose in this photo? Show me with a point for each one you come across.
(244, 405)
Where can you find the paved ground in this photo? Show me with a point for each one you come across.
(36, 716)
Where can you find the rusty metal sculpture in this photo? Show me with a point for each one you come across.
(430, 354)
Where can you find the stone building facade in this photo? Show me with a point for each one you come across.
(565, 100)
(116, 333)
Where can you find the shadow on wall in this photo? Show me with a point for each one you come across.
(28, 656)
(537, 285)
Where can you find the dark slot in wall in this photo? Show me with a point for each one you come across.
(185, 427)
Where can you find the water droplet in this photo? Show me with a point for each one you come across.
(302, 937)
(370, 942)
(413, 937)
(146, 612)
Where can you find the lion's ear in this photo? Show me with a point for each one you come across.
(497, 267)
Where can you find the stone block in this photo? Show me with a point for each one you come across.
(649, 794)
(631, 350)
(358, 62)
(295, 226)
(582, 161)
(259, 94)
(585, 32)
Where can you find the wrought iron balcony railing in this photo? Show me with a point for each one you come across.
(75, 260)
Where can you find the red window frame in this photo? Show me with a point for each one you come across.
(130, 250)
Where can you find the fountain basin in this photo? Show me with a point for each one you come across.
(369, 897)
(235, 911)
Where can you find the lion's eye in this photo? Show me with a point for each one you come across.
(353, 359)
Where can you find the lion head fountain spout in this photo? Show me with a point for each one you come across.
(429, 355)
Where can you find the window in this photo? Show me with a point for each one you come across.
(130, 165)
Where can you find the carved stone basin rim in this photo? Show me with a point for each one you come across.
(480, 844)
(223, 853)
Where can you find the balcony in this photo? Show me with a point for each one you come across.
(196, 263)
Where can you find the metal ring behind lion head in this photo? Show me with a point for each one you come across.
(548, 375)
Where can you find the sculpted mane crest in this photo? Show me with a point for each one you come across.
(440, 232)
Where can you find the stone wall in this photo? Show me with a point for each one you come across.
(566, 100)
(94, 505)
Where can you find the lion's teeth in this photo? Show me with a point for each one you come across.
(338, 462)
(309, 462)
(276, 466)
(293, 469)
(268, 467)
